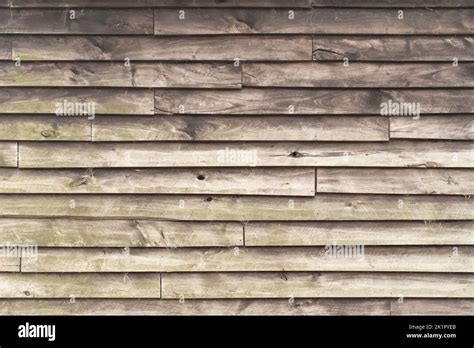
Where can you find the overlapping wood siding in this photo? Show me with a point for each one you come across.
(229, 150)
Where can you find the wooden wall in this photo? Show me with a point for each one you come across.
(242, 139)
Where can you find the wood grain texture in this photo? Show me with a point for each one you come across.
(105, 101)
(271, 101)
(432, 307)
(245, 181)
(5, 48)
(317, 21)
(370, 259)
(227, 208)
(8, 154)
(186, 48)
(103, 74)
(387, 3)
(44, 128)
(393, 48)
(288, 285)
(460, 127)
(87, 21)
(212, 307)
(235, 128)
(119, 233)
(336, 75)
(402, 153)
(11, 262)
(360, 233)
(162, 3)
(22, 285)
(396, 181)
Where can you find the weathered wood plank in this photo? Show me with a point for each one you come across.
(396, 181)
(365, 75)
(8, 154)
(22, 285)
(388, 3)
(224, 208)
(161, 3)
(246, 128)
(402, 153)
(80, 48)
(289, 285)
(104, 74)
(364, 233)
(273, 101)
(427, 306)
(243, 181)
(48, 128)
(9, 258)
(460, 127)
(317, 21)
(5, 48)
(388, 48)
(43, 21)
(50, 100)
(118, 233)
(366, 259)
(104, 306)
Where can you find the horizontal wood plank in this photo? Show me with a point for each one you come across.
(365, 75)
(289, 285)
(459, 127)
(225, 208)
(48, 128)
(362, 233)
(246, 128)
(95, 21)
(22, 285)
(53, 100)
(432, 307)
(103, 74)
(317, 21)
(5, 48)
(186, 48)
(403, 153)
(353, 259)
(118, 233)
(10, 257)
(389, 48)
(396, 181)
(271, 101)
(161, 3)
(8, 154)
(244, 181)
(387, 3)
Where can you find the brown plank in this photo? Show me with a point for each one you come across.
(459, 127)
(362, 233)
(396, 181)
(273, 101)
(104, 74)
(389, 3)
(242, 181)
(22, 285)
(119, 233)
(104, 101)
(362, 259)
(402, 153)
(317, 21)
(322, 306)
(48, 128)
(5, 3)
(5, 48)
(80, 48)
(161, 3)
(390, 48)
(365, 75)
(289, 285)
(226, 208)
(8, 154)
(246, 128)
(47, 21)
